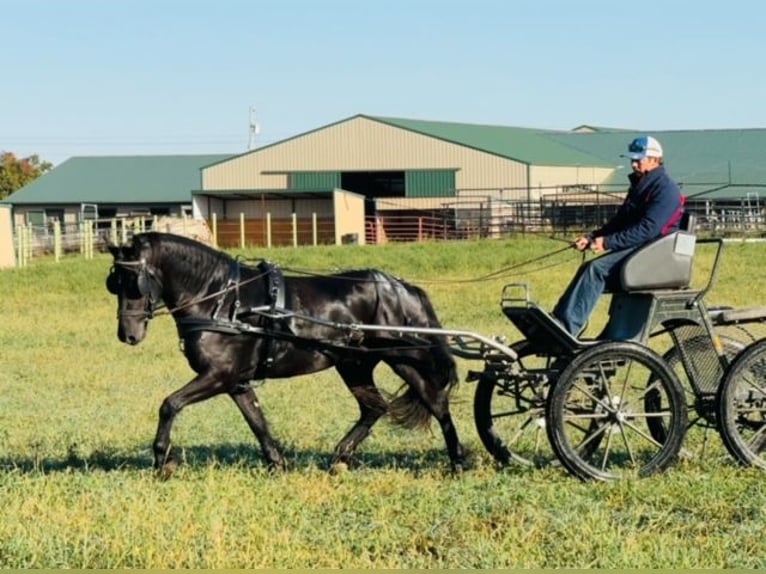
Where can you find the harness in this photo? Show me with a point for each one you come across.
(271, 320)
(272, 316)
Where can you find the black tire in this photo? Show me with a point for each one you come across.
(742, 406)
(510, 412)
(597, 416)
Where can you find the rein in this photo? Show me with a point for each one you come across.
(499, 274)
(155, 310)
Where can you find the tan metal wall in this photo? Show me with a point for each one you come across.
(7, 253)
(349, 216)
(548, 178)
(361, 144)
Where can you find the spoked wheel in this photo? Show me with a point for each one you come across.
(701, 407)
(742, 406)
(509, 410)
(597, 416)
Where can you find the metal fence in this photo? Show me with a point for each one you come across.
(562, 215)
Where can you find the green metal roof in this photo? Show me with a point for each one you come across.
(710, 164)
(714, 164)
(526, 145)
(118, 179)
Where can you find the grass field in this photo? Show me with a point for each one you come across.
(78, 412)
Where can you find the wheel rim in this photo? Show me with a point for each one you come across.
(598, 415)
(509, 412)
(743, 407)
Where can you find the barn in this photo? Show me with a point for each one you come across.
(372, 179)
(410, 179)
(104, 187)
(414, 179)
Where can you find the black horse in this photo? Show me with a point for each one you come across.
(239, 323)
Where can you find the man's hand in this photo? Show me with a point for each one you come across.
(597, 245)
(581, 243)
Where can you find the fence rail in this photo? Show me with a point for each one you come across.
(563, 215)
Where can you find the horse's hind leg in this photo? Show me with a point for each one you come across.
(432, 396)
(251, 409)
(358, 378)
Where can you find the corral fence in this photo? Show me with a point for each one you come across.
(461, 218)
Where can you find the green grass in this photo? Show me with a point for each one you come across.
(79, 411)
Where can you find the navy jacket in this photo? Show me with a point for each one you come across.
(653, 207)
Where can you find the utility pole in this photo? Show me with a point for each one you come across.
(254, 129)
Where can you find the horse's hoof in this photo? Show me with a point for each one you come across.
(465, 461)
(167, 470)
(338, 467)
(278, 466)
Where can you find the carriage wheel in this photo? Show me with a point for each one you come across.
(597, 416)
(509, 411)
(701, 412)
(742, 406)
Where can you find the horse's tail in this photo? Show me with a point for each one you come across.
(408, 408)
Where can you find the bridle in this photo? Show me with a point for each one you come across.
(148, 284)
(150, 287)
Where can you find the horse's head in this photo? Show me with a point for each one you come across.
(137, 287)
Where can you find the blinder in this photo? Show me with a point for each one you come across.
(113, 282)
(148, 284)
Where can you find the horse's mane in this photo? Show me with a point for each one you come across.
(192, 261)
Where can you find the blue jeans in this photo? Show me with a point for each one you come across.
(592, 279)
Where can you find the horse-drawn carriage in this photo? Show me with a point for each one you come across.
(609, 407)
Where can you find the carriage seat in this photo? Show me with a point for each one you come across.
(652, 279)
(665, 263)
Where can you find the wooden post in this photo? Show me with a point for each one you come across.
(268, 230)
(242, 230)
(20, 238)
(57, 240)
(215, 230)
(295, 230)
(91, 237)
(29, 244)
(314, 233)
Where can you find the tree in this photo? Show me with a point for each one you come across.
(15, 173)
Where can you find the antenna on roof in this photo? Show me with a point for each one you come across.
(255, 129)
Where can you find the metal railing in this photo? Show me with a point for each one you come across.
(558, 215)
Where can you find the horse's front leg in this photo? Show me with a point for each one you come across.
(251, 409)
(200, 388)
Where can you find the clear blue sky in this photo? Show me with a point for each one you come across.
(142, 77)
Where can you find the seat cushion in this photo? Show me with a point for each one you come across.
(665, 263)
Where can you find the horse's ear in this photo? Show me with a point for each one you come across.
(141, 241)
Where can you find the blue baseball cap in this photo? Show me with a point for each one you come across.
(644, 146)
